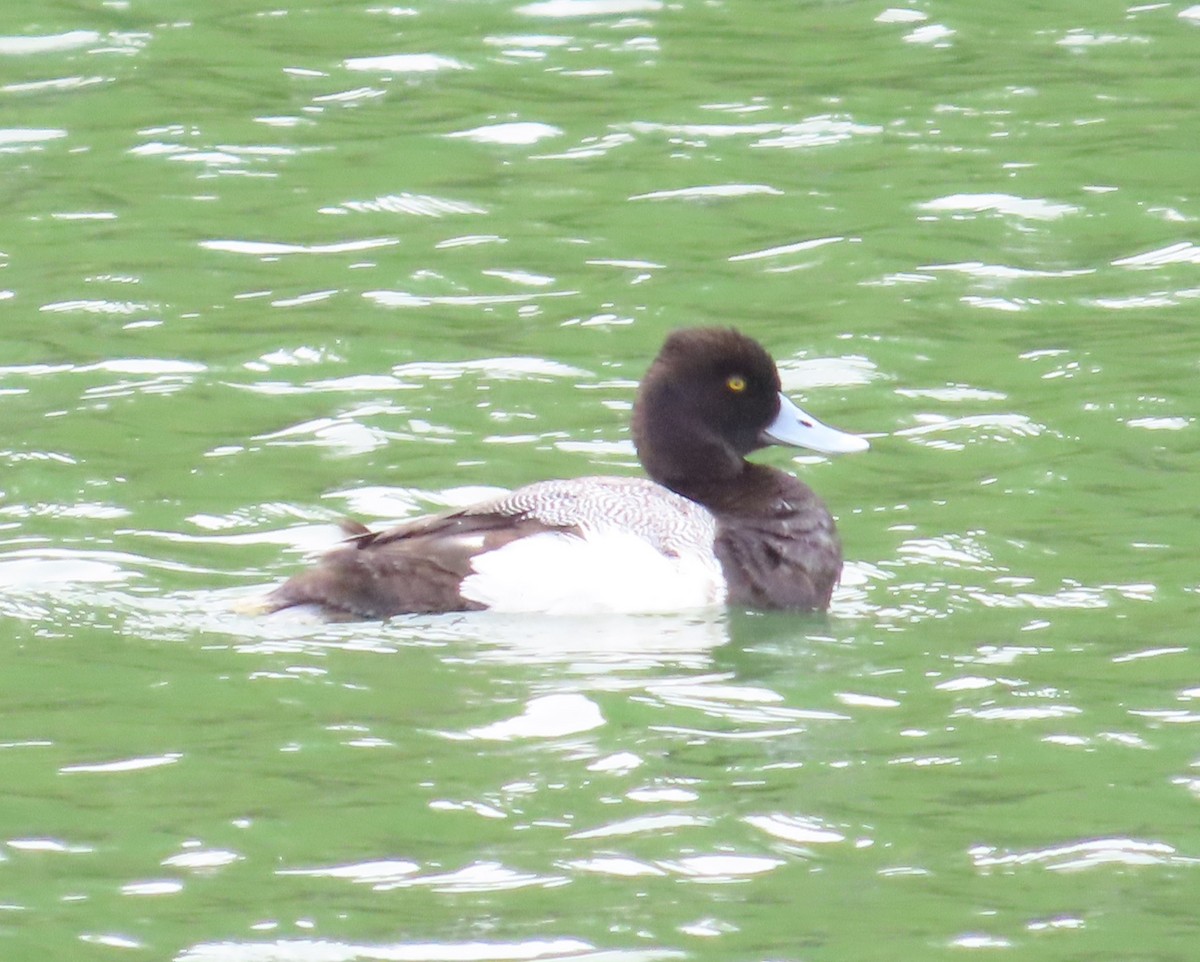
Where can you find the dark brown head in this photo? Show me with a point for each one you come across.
(710, 397)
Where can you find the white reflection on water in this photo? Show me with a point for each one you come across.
(385, 875)
(56, 84)
(14, 139)
(901, 15)
(374, 872)
(1077, 39)
(481, 809)
(778, 251)
(1018, 713)
(738, 704)
(1002, 271)
(404, 63)
(95, 306)
(180, 152)
(709, 191)
(353, 96)
(47, 43)
(977, 428)
(718, 868)
(721, 868)
(825, 372)
(516, 133)
(342, 434)
(201, 859)
(642, 824)
(934, 34)
(518, 368)
(273, 249)
(588, 8)
(590, 147)
(45, 568)
(976, 941)
(948, 550)
(123, 765)
(592, 646)
(526, 41)
(325, 950)
(84, 509)
(615, 865)
(407, 299)
(952, 393)
(609, 651)
(153, 887)
(812, 132)
(1078, 856)
(1183, 252)
(620, 763)
(1160, 424)
(111, 941)
(1170, 716)
(47, 845)
(1031, 208)
(550, 716)
(795, 828)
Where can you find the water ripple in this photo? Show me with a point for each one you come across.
(795, 248)
(516, 133)
(122, 765)
(642, 824)
(980, 429)
(710, 191)
(793, 828)
(421, 205)
(20, 139)
(901, 15)
(47, 43)
(404, 63)
(55, 83)
(1083, 855)
(721, 868)
(523, 368)
(324, 950)
(562, 9)
(550, 716)
(202, 859)
(407, 299)
(1003, 271)
(389, 874)
(1030, 208)
(274, 249)
(819, 131)
(1183, 252)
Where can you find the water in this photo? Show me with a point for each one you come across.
(264, 266)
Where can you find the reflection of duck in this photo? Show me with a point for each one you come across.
(707, 528)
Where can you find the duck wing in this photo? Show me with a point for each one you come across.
(417, 566)
(420, 565)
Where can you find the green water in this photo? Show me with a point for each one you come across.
(262, 266)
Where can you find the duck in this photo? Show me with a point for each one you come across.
(704, 528)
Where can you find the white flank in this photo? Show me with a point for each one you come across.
(604, 572)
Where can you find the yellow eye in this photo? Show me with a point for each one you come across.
(736, 383)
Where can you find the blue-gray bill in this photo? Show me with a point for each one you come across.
(796, 428)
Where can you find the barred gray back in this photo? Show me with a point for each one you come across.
(672, 523)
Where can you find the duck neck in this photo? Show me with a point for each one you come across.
(698, 464)
(711, 474)
(752, 486)
(708, 479)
